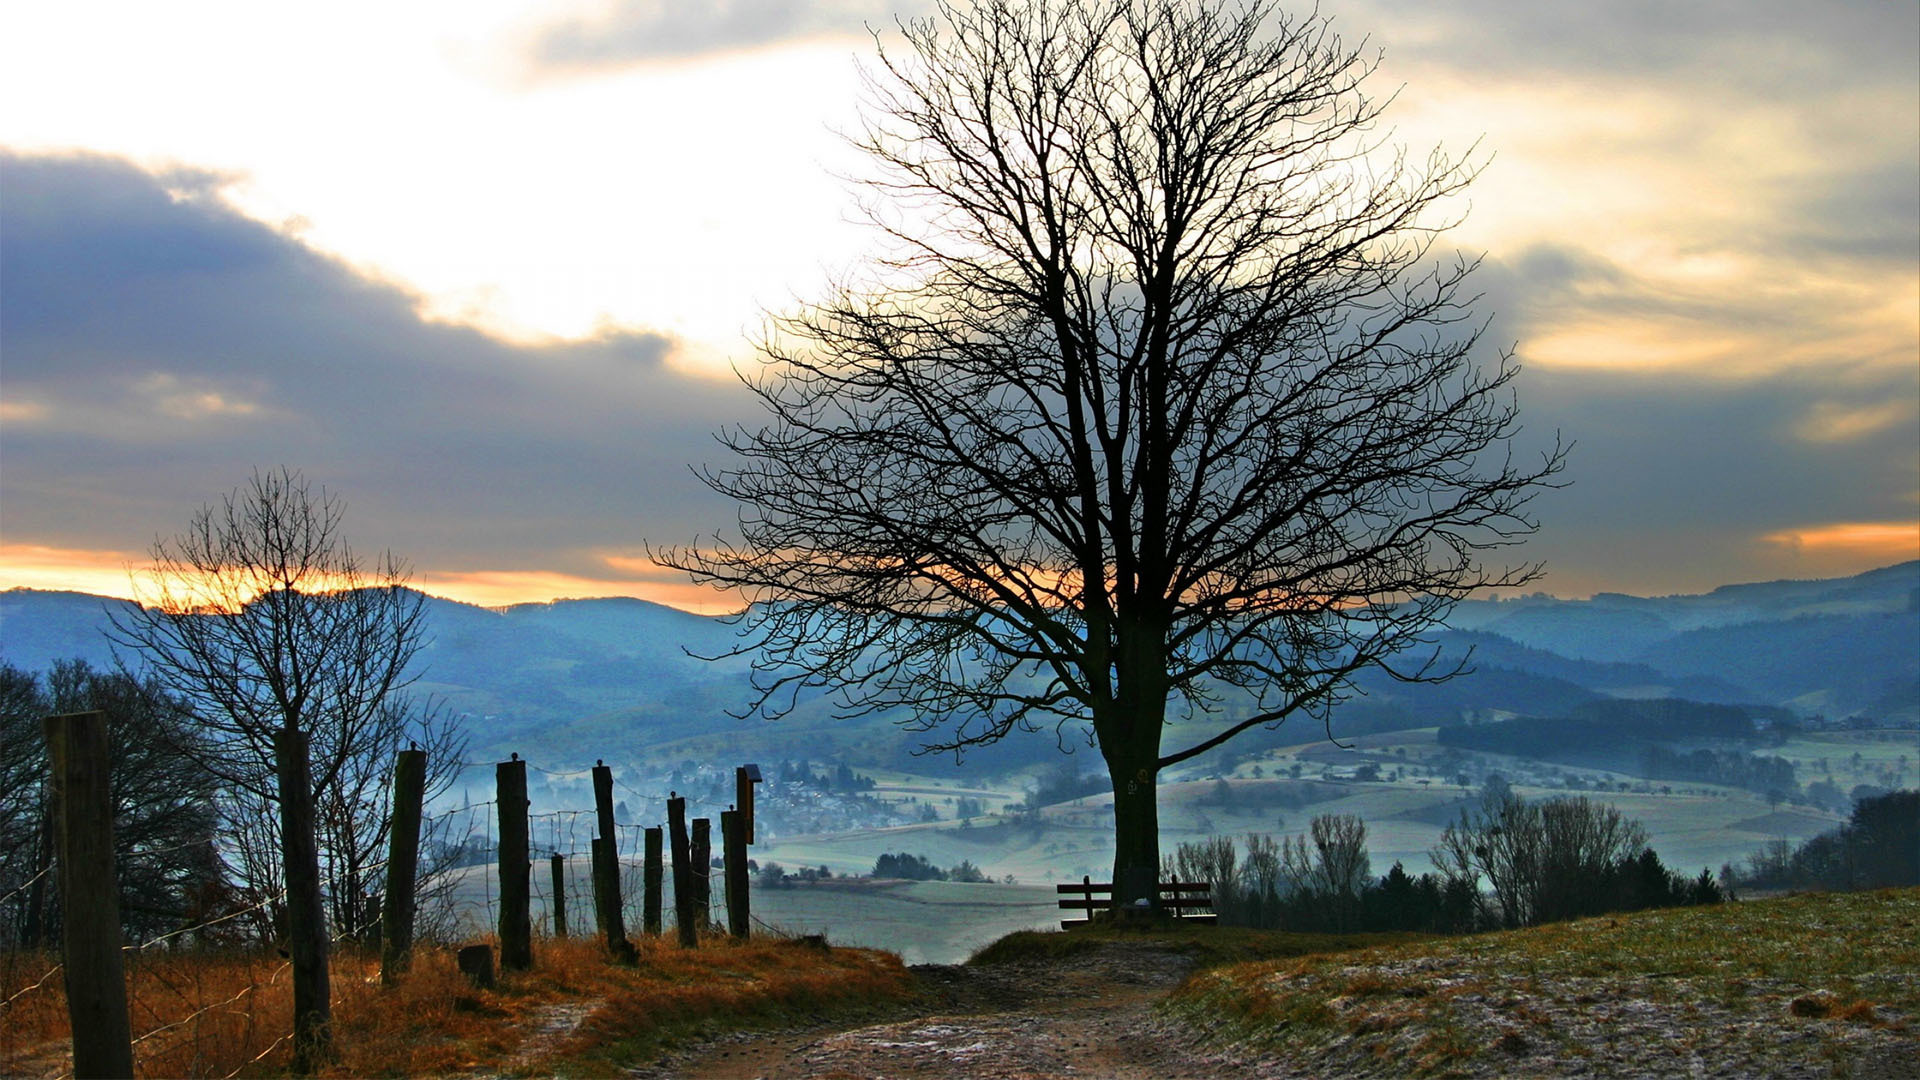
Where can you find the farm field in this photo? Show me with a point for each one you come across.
(925, 922)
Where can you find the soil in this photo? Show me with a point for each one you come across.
(1092, 1016)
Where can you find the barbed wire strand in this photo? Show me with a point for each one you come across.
(143, 946)
(27, 884)
(57, 968)
(256, 1058)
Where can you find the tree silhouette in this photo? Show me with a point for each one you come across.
(295, 655)
(1160, 411)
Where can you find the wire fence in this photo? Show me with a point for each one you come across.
(459, 899)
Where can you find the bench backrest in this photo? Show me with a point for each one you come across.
(1090, 895)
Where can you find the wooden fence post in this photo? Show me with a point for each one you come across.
(559, 905)
(596, 875)
(89, 895)
(516, 923)
(733, 839)
(609, 903)
(403, 864)
(700, 860)
(682, 870)
(606, 868)
(306, 917)
(651, 874)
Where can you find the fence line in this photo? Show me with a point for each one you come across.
(57, 968)
(256, 1058)
(27, 884)
(145, 945)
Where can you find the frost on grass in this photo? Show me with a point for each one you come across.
(1808, 985)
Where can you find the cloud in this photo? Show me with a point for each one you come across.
(627, 32)
(1774, 48)
(159, 345)
(1681, 480)
(1889, 541)
(1726, 315)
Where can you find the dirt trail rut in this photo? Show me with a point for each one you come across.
(1091, 1017)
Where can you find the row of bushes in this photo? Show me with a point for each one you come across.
(1558, 859)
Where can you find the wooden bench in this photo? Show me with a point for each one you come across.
(1189, 901)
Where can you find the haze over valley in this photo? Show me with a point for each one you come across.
(1723, 721)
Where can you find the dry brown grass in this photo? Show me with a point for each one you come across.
(215, 1014)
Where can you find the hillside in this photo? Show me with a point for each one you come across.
(580, 674)
(1819, 985)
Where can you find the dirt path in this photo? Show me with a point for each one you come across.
(1091, 1018)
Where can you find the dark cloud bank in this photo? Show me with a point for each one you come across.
(158, 346)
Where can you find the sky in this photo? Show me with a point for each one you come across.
(486, 270)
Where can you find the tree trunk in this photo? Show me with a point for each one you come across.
(35, 932)
(1130, 741)
(1136, 832)
(403, 864)
(306, 917)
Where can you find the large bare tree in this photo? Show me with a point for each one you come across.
(1161, 412)
(295, 655)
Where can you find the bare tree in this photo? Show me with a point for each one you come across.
(1162, 412)
(262, 618)
(163, 802)
(1544, 861)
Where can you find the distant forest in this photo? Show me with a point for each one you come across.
(1659, 739)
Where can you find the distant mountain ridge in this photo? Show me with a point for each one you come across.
(578, 674)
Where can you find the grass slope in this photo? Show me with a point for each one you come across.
(226, 1014)
(1814, 984)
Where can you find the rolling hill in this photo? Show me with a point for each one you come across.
(579, 673)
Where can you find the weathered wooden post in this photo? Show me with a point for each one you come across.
(682, 870)
(700, 859)
(306, 917)
(606, 869)
(559, 864)
(403, 864)
(596, 876)
(608, 904)
(516, 867)
(650, 877)
(89, 896)
(733, 839)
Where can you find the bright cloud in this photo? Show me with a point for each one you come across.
(1882, 541)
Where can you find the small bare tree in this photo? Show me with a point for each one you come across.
(1163, 414)
(293, 651)
(1544, 861)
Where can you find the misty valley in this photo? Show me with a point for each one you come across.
(1744, 720)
